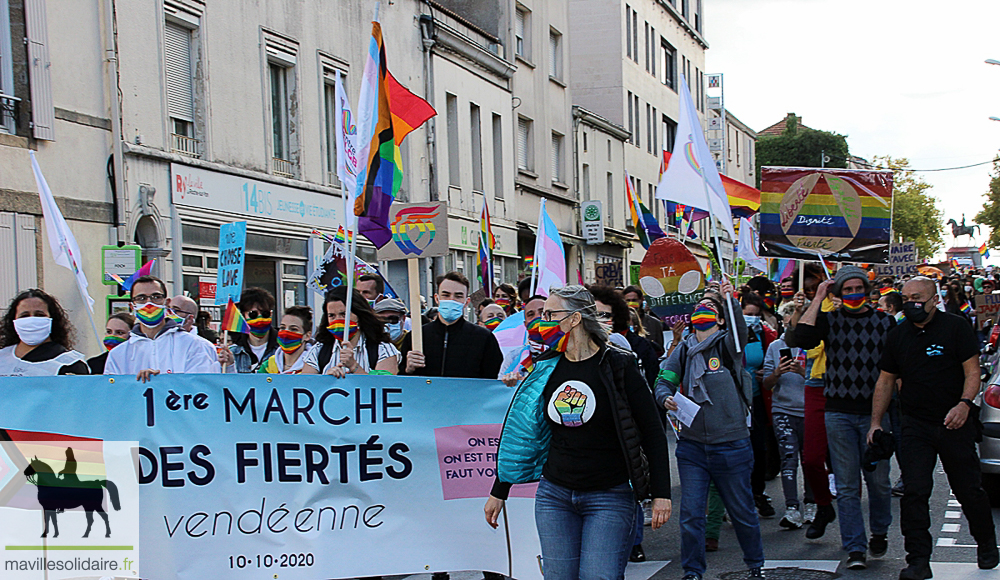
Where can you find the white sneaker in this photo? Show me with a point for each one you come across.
(647, 512)
(833, 485)
(809, 513)
(792, 519)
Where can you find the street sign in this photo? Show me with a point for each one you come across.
(592, 214)
(122, 261)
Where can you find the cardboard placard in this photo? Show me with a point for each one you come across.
(902, 261)
(232, 243)
(609, 274)
(419, 230)
(672, 280)
(987, 306)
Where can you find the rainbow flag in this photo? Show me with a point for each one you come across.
(145, 270)
(232, 319)
(781, 269)
(529, 262)
(887, 290)
(380, 170)
(643, 221)
(484, 259)
(408, 110)
(984, 251)
(966, 308)
(743, 199)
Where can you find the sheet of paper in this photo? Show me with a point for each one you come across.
(686, 409)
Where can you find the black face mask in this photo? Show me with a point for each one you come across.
(915, 312)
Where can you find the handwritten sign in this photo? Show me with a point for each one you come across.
(902, 261)
(987, 307)
(232, 256)
(845, 215)
(672, 280)
(610, 274)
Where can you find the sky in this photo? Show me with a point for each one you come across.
(900, 78)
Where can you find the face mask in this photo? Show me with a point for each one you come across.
(289, 341)
(752, 320)
(451, 310)
(395, 330)
(336, 328)
(704, 318)
(492, 323)
(33, 330)
(502, 302)
(915, 312)
(968, 289)
(533, 333)
(552, 336)
(113, 340)
(633, 303)
(769, 301)
(150, 314)
(854, 302)
(175, 317)
(787, 293)
(259, 327)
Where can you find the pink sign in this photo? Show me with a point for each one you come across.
(467, 457)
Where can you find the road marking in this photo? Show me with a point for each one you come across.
(951, 515)
(951, 528)
(824, 565)
(643, 570)
(954, 503)
(946, 542)
(957, 571)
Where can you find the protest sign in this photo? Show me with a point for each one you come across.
(297, 476)
(987, 306)
(845, 215)
(672, 280)
(419, 230)
(902, 261)
(232, 243)
(610, 273)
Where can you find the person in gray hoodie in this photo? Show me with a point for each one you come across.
(708, 370)
(785, 376)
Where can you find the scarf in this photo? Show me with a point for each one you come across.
(696, 366)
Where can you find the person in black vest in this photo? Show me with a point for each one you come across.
(453, 347)
(936, 354)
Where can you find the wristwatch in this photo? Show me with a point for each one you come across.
(968, 402)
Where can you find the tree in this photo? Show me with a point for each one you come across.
(915, 214)
(990, 214)
(801, 147)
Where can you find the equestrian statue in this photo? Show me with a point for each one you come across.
(64, 491)
(962, 229)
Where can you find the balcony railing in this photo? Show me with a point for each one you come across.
(283, 167)
(184, 145)
(8, 112)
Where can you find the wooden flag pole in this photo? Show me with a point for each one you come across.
(416, 323)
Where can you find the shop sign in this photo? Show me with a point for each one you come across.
(592, 214)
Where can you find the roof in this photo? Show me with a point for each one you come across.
(779, 127)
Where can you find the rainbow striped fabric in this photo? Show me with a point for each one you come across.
(484, 259)
(232, 319)
(643, 220)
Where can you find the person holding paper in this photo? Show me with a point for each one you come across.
(704, 381)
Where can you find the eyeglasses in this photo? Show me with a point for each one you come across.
(547, 314)
(257, 314)
(155, 298)
(182, 313)
(392, 319)
(604, 316)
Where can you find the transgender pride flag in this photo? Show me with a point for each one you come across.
(550, 256)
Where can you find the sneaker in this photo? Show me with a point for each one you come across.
(764, 508)
(808, 513)
(878, 545)
(637, 555)
(920, 571)
(988, 556)
(824, 515)
(792, 518)
(856, 561)
(711, 544)
(897, 489)
(756, 573)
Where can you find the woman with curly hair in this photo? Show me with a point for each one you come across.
(36, 338)
(355, 345)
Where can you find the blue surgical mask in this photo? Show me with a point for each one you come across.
(451, 310)
(752, 320)
(395, 330)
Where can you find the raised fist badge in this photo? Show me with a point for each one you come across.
(572, 404)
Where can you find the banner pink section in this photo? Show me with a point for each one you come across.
(467, 457)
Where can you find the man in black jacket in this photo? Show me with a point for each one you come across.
(453, 347)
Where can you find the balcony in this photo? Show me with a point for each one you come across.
(184, 145)
(8, 112)
(283, 167)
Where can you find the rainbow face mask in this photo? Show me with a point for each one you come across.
(112, 340)
(289, 341)
(533, 334)
(150, 314)
(854, 302)
(787, 293)
(502, 302)
(492, 323)
(336, 328)
(175, 317)
(704, 318)
(259, 327)
(552, 336)
(633, 303)
(769, 301)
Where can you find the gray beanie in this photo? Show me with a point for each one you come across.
(845, 273)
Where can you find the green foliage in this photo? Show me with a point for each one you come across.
(801, 147)
(990, 214)
(915, 214)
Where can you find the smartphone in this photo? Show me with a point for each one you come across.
(785, 353)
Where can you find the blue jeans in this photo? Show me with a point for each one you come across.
(847, 435)
(584, 535)
(728, 465)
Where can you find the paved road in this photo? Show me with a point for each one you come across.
(954, 553)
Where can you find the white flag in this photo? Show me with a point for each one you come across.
(65, 252)
(692, 172)
(747, 248)
(346, 129)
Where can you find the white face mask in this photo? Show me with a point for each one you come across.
(33, 330)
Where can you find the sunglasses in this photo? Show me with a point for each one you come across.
(257, 314)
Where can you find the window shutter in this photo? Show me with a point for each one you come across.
(519, 28)
(8, 255)
(556, 145)
(554, 55)
(43, 112)
(24, 239)
(522, 144)
(180, 90)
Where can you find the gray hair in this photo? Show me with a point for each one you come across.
(579, 299)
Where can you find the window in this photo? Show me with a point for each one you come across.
(524, 159)
(279, 116)
(651, 49)
(557, 157)
(684, 8)
(698, 88)
(669, 133)
(638, 122)
(477, 148)
(281, 55)
(330, 130)
(631, 125)
(8, 101)
(652, 201)
(584, 141)
(180, 89)
(521, 27)
(697, 16)
(609, 149)
(454, 156)
(684, 61)
(655, 134)
(628, 30)
(611, 200)
(586, 182)
(555, 54)
(635, 37)
(645, 47)
(649, 128)
(668, 64)
(18, 239)
(498, 176)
